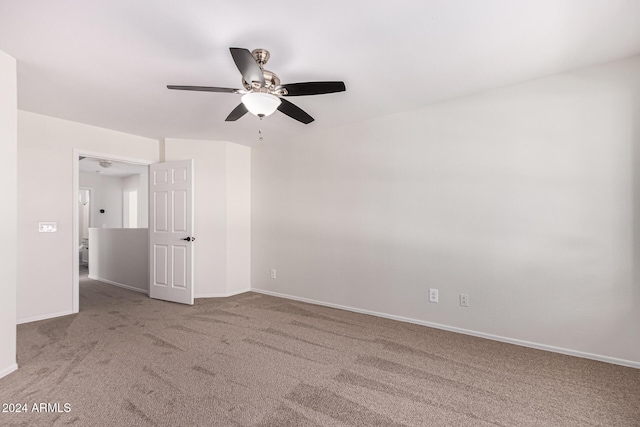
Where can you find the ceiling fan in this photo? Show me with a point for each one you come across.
(263, 94)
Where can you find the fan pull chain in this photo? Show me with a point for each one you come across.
(260, 135)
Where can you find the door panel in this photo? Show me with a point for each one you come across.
(171, 216)
(159, 210)
(179, 262)
(160, 177)
(161, 261)
(180, 211)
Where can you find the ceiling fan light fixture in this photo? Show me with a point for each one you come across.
(263, 93)
(260, 104)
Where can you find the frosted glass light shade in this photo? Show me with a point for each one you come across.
(260, 104)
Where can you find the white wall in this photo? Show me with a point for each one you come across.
(140, 182)
(526, 198)
(131, 182)
(120, 256)
(8, 215)
(238, 192)
(45, 188)
(222, 217)
(107, 195)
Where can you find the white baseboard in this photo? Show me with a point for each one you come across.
(44, 317)
(120, 285)
(522, 343)
(205, 295)
(6, 371)
(222, 295)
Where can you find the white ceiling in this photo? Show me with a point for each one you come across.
(117, 169)
(107, 63)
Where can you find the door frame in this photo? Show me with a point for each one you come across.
(77, 153)
(91, 219)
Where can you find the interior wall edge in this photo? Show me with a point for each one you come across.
(9, 216)
(44, 317)
(120, 285)
(9, 369)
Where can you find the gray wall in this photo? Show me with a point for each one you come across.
(525, 198)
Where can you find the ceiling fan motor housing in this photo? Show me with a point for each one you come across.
(271, 80)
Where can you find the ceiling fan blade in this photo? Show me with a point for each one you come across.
(237, 112)
(247, 65)
(205, 89)
(312, 88)
(294, 112)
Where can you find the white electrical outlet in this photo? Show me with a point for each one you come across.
(273, 273)
(433, 295)
(464, 300)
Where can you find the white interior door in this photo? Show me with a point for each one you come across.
(171, 231)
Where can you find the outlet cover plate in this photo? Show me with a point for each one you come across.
(464, 300)
(433, 295)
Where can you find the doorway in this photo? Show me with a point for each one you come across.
(96, 208)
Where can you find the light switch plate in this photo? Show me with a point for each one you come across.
(47, 227)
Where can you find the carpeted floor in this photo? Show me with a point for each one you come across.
(256, 360)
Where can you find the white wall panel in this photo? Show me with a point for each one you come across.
(106, 196)
(526, 198)
(45, 185)
(8, 215)
(121, 256)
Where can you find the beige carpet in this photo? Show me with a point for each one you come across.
(255, 360)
